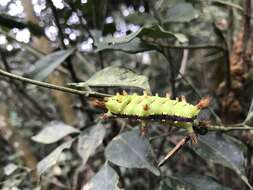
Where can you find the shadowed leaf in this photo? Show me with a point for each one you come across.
(191, 182)
(53, 132)
(87, 143)
(224, 150)
(132, 151)
(152, 32)
(115, 76)
(181, 12)
(48, 63)
(106, 179)
(228, 3)
(133, 46)
(140, 18)
(52, 158)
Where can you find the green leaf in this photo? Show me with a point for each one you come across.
(191, 182)
(87, 143)
(164, 186)
(228, 3)
(224, 150)
(181, 12)
(53, 132)
(140, 18)
(152, 31)
(115, 76)
(134, 46)
(50, 160)
(131, 150)
(48, 63)
(106, 179)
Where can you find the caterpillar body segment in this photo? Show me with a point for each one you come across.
(151, 107)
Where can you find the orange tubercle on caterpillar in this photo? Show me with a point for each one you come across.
(145, 107)
(204, 103)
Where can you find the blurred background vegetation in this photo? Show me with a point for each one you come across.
(193, 48)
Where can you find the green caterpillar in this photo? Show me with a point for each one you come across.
(151, 106)
(145, 107)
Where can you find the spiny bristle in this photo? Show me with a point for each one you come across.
(168, 95)
(125, 93)
(145, 93)
(183, 99)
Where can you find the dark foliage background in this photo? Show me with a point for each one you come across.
(57, 140)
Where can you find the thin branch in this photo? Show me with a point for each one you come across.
(212, 128)
(247, 35)
(183, 63)
(57, 22)
(54, 87)
(226, 52)
(101, 60)
(179, 145)
(69, 65)
(236, 127)
(196, 46)
(166, 54)
(82, 20)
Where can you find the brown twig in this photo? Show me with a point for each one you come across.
(235, 127)
(54, 87)
(69, 65)
(179, 145)
(82, 20)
